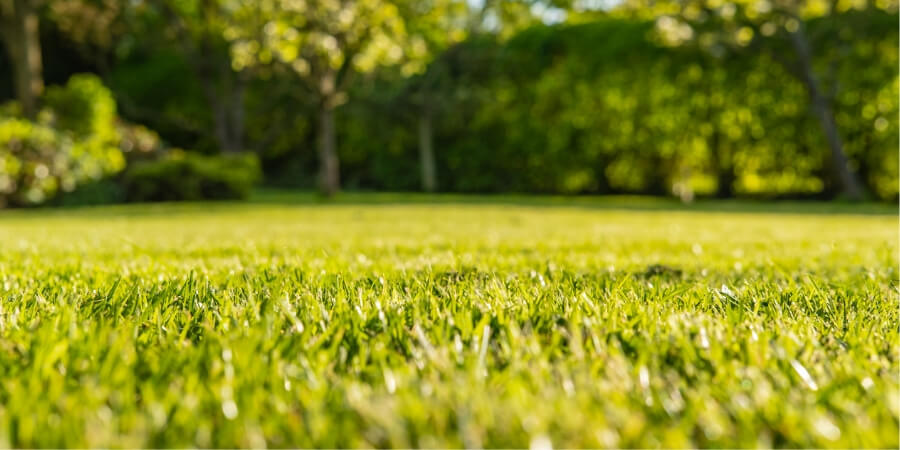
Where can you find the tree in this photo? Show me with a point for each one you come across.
(106, 31)
(434, 27)
(196, 28)
(773, 26)
(20, 32)
(505, 17)
(322, 43)
(95, 27)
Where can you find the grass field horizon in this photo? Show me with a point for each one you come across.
(395, 320)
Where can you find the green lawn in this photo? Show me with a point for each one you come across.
(404, 321)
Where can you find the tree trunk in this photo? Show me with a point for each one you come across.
(20, 27)
(602, 187)
(237, 115)
(426, 149)
(220, 121)
(725, 176)
(725, 179)
(329, 166)
(227, 105)
(329, 169)
(658, 184)
(821, 107)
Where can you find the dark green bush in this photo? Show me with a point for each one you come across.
(182, 176)
(107, 191)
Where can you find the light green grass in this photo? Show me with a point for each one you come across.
(387, 321)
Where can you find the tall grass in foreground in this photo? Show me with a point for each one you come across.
(447, 326)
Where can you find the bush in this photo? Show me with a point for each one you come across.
(73, 140)
(107, 191)
(138, 142)
(184, 176)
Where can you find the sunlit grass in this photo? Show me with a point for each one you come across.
(475, 322)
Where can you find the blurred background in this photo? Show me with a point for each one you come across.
(108, 101)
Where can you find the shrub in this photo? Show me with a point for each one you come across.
(107, 191)
(30, 164)
(182, 176)
(73, 140)
(138, 142)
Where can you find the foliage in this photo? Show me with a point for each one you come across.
(599, 103)
(138, 142)
(73, 140)
(602, 107)
(780, 28)
(321, 43)
(448, 325)
(106, 191)
(867, 101)
(142, 82)
(316, 38)
(186, 176)
(85, 108)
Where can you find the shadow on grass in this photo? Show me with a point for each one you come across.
(265, 198)
(613, 202)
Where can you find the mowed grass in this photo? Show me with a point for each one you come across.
(476, 323)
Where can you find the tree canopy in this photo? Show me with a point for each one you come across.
(683, 98)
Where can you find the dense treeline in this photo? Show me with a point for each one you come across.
(600, 108)
(601, 103)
